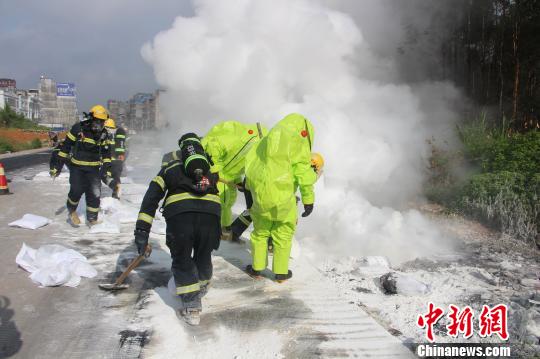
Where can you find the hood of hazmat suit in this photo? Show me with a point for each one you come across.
(228, 143)
(279, 164)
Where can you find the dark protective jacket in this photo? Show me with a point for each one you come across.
(169, 157)
(119, 147)
(53, 162)
(87, 148)
(182, 194)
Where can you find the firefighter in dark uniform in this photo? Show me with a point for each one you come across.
(54, 156)
(192, 211)
(117, 140)
(169, 157)
(90, 162)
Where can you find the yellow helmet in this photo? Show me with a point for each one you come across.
(99, 112)
(109, 123)
(317, 162)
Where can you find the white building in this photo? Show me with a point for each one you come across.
(23, 102)
(58, 103)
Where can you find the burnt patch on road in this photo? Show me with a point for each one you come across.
(142, 300)
(84, 242)
(134, 338)
(132, 342)
(153, 279)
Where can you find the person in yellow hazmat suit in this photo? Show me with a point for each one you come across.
(243, 221)
(227, 144)
(274, 167)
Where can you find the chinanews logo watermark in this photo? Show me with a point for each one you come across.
(491, 321)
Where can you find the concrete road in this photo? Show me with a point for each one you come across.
(242, 318)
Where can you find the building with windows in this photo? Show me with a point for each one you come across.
(140, 112)
(8, 84)
(58, 103)
(23, 102)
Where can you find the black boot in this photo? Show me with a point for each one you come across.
(280, 278)
(253, 273)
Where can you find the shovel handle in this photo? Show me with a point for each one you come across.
(228, 183)
(132, 266)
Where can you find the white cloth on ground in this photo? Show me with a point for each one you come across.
(30, 221)
(53, 265)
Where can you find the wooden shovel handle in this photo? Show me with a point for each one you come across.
(132, 266)
(228, 183)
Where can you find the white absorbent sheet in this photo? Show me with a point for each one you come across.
(54, 265)
(30, 221)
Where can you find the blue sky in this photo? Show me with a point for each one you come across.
(95, 44)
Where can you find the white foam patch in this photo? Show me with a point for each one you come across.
(174, 337)
(105, 227)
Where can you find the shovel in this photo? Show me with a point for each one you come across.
(118, 285)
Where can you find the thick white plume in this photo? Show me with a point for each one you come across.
(259, 60)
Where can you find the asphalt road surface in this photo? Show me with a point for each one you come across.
(242, 317)
(16, 161)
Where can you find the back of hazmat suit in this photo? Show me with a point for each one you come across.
(275, 167)
(227, 144)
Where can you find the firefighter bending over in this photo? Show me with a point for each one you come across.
(192, 211)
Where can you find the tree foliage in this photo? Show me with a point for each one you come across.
(10, 118)
(494, 54)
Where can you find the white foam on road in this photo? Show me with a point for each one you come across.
(244, 318)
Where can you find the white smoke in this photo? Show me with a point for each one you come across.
(257, 60)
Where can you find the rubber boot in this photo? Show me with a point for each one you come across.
(93, 222)
(240, 224)
(74, 219)
(192, 316)
(280, 278)
(253, 273)
(226, 233)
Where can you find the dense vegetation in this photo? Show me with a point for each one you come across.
(11, 119)
(493, 53)
(502, 183)
(491, 50)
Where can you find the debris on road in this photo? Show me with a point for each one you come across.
(30, 221)
(54, 265)
(396, 283)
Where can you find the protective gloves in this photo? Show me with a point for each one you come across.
(141, 240)
(308, 208)
(53, 172)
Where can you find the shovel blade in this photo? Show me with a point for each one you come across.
(113, 286)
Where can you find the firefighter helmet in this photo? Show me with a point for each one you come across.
(99, 112)
(109, 123)
(317, 162)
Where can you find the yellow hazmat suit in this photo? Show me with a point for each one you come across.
(278, 164)
(228, 143)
